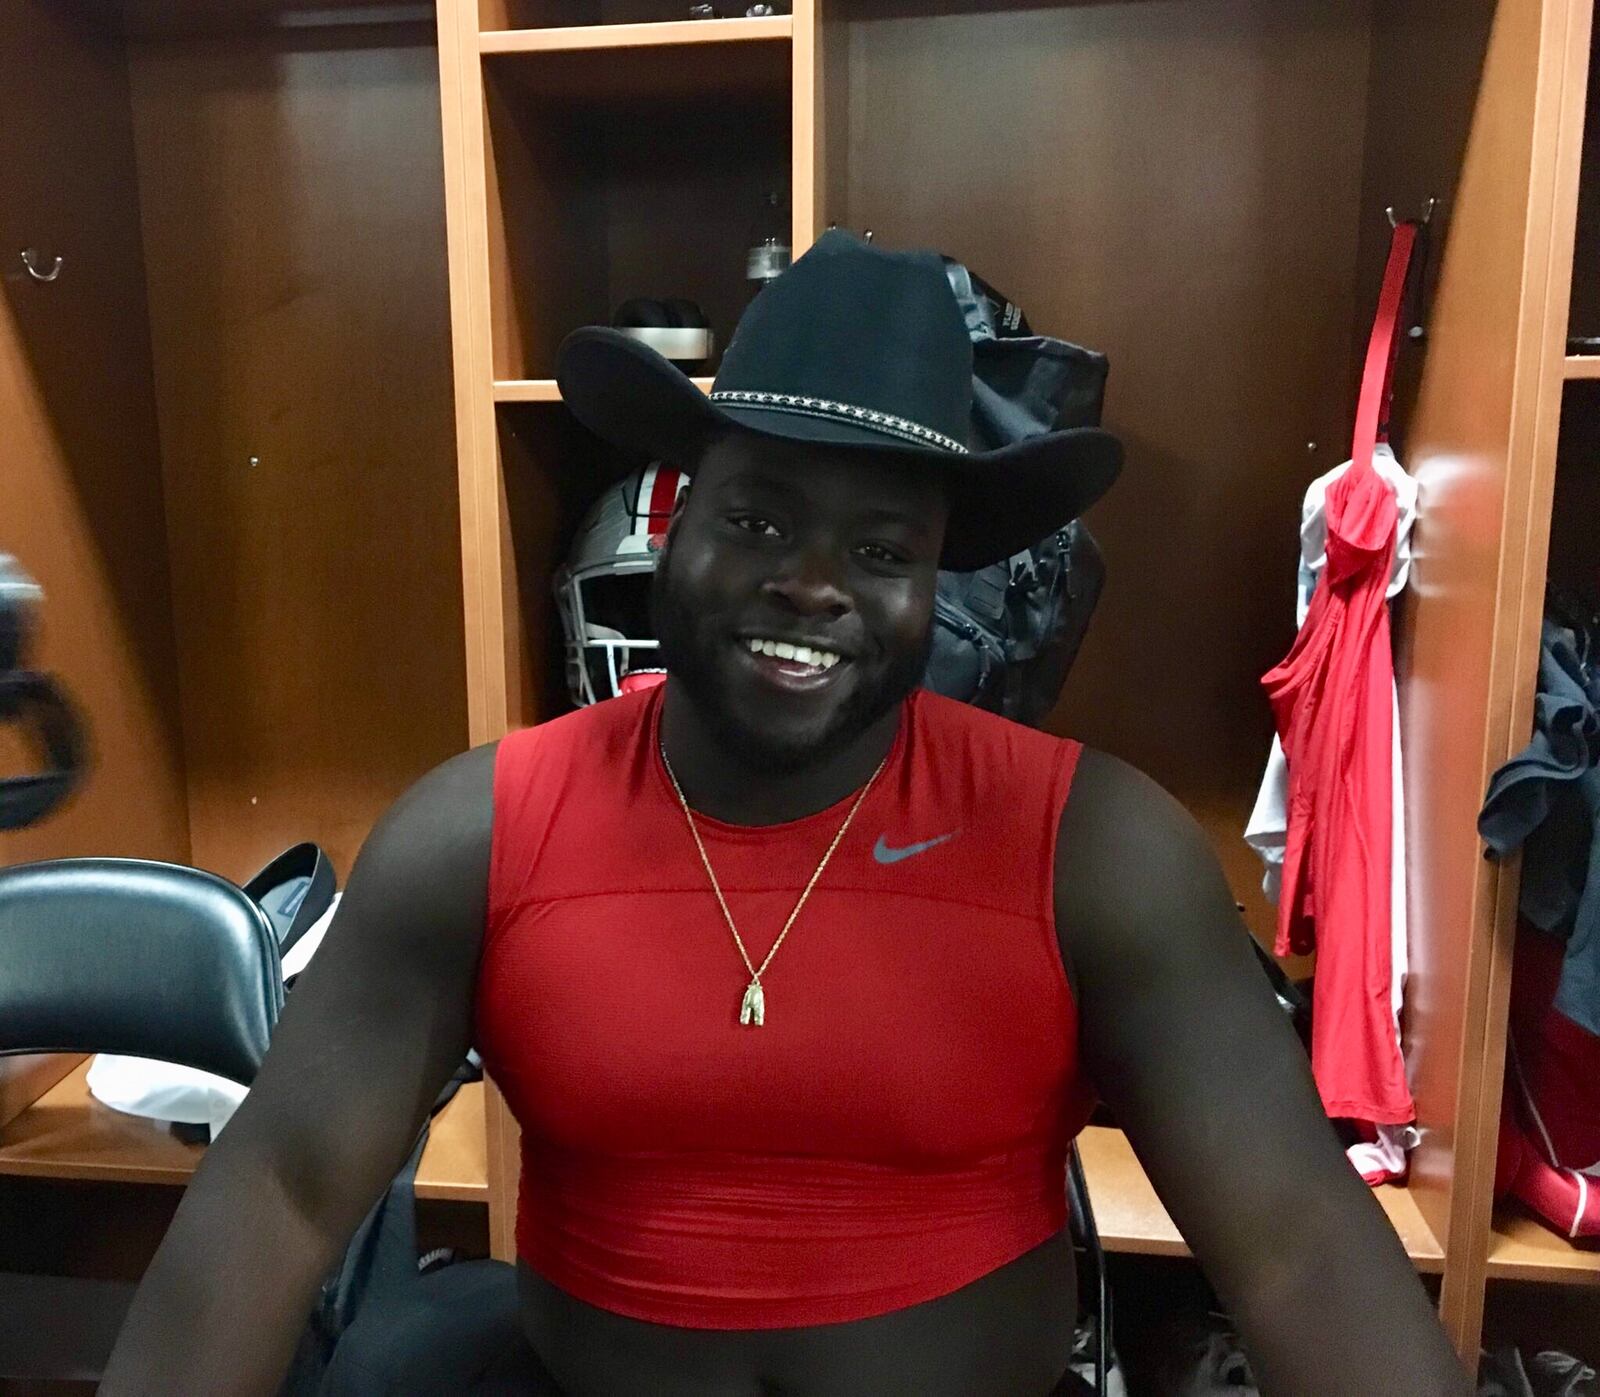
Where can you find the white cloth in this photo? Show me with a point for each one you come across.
(1383, 1160)
(301, 952)
(167, 1091)
(1267, 830)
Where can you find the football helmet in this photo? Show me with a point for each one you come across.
(603, 589)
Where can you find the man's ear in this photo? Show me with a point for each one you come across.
(677, 507)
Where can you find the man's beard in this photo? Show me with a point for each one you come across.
(689, 658)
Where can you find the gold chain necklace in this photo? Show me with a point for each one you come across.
(753, 1008)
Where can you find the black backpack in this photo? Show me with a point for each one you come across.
(1005, 636)
(35, 705)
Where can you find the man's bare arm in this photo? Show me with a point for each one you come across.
(373, 1028)
(1189, 1048)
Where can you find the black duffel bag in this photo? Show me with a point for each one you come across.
(1005, 636)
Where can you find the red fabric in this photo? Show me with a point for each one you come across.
(1555, 1062)
(1566, 1200)
(1331, 698)
(1383, 348)
(638, 680)
(899, 1126)
(1550, 1118)
(664, 488)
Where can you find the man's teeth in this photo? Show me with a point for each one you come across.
(801, 654)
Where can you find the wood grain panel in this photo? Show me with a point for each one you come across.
(462, 140)
(1472, 442)
(1526, 1249)
(504, 1145)
(80, 473)
(494, 639)
(807, 111)
(295, 253)
(24, 1079)
(1178, 185)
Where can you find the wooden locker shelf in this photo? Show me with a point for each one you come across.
(1524, 1249)
(1581, 366)
(1130, 1217)
(67, 1134)
(544, 390)
(526, 390)
(670, 33)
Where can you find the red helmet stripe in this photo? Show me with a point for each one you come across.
(663, 495)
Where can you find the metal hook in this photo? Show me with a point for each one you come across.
(31, 259)
(1425, 220)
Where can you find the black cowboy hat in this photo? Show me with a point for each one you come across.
(856, 347)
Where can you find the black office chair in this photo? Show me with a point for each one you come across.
(125, 956)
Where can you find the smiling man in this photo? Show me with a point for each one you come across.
(798, 980)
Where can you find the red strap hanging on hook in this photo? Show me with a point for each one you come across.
(1383, 348)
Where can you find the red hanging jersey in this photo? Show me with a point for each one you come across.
(1331, 699)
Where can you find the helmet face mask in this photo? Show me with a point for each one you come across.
(602, 650)
(603, 591)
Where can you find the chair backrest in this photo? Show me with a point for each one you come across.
(135, 957)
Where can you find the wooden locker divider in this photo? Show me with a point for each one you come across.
(495, 667)
(1563, 492)
(1469, 433)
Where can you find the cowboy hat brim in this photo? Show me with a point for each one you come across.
(1001, 501)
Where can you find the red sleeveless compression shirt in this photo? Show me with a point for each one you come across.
(899, 1125)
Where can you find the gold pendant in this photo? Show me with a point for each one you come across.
(753, 1009)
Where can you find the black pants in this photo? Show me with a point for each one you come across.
(459, 1331)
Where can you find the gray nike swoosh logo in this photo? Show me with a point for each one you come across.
(884, 854)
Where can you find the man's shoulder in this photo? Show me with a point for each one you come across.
(1126, 843)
